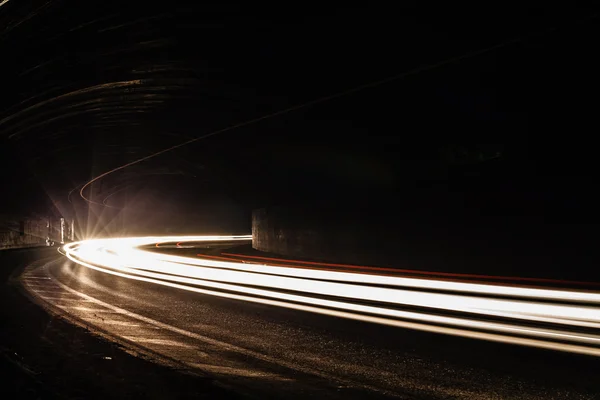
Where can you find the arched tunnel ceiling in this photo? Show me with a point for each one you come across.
(91, 86)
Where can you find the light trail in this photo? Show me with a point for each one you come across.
(567, 320)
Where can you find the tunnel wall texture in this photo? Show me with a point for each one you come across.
(23, 232)
(429, 237)
(335, 235)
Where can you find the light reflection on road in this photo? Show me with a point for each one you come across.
(566, 320)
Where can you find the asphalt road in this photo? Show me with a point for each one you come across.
(263, 350)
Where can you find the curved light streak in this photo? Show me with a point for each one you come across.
(565, 320)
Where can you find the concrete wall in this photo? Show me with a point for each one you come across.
(328, 234)
(438, 240)
(305, 233)
(30, 232)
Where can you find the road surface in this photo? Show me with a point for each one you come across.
(267, 327)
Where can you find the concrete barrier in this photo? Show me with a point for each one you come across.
(20, 232)
(433, 239)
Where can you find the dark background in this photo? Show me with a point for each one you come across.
(490, 118)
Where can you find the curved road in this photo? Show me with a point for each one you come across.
(268, 335)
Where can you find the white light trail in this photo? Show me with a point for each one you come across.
(466, 307)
